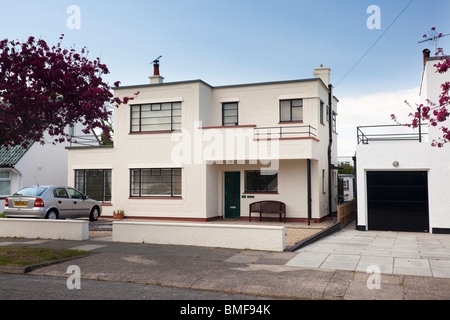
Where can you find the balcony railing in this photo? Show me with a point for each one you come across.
(395, 132)
(287, 132)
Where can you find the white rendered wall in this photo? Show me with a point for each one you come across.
(412, 156)
(210, 235)
(44, 229)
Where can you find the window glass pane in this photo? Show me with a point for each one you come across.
(297, 113)
(145, 107)
(156, 106)
(107, 185)
(4, 175)
(271, 180)
(261, 181)
(285, 111)
(297, 103)
(176, 182)
(135, 109)
(94, 184)
(79, 180)
(4, 188)
(166, 106)
(135, 182)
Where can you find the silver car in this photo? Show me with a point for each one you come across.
(51, 202)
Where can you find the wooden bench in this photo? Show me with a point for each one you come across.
(267, 207)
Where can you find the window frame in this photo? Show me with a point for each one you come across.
(266, 189)
(138, 194)
(154, 108)
(223, 114)
(106, 198)
(290, 110)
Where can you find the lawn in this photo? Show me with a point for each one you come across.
(23, 256)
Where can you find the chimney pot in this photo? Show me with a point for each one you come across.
(156, 78)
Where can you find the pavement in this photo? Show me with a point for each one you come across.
(346, 265)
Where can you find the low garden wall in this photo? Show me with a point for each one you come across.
(212, 235)
(44, 229)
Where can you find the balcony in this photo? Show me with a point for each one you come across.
(285, 133)
(389, 133)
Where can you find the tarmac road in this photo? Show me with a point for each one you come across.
(34, 287)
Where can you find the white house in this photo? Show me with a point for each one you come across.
(401, 179)
(347, 186)
(191, 151)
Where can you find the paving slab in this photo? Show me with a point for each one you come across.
(341, 261)
(308, 259)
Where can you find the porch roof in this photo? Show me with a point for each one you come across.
(11, 156)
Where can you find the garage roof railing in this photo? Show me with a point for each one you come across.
(394, 132)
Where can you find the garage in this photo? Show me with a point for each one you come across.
(397, 201)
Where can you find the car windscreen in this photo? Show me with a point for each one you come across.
(33, 191)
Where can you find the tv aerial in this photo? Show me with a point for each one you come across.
(156, 61)
(434, 38)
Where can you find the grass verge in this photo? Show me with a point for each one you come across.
(23, 256)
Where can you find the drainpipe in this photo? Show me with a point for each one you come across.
(308, 162)
(330, 143)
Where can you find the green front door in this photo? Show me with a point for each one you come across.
(232, 194)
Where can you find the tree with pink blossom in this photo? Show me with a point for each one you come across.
(46, 89)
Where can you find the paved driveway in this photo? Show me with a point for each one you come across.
(403, 253)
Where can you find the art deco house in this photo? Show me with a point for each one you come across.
(191, 151)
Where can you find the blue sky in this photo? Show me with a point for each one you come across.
(240, 41)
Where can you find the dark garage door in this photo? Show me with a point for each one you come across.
(397, 200)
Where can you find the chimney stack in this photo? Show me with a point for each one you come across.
(323, 73)
(156, 78)
(426, 55)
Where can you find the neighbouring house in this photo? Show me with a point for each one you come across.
(191, 151)
(401, 179)
(36, 165)
(347, 186)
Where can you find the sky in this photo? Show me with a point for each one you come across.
(222, 42)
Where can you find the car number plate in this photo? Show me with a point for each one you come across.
(20, 203)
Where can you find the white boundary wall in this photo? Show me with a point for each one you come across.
(44, 229)
(194, 234)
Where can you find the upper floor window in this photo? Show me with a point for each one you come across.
(334, 122)
(230, 114)
(291, 110)
(156, 117)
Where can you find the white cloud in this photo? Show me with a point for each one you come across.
(372, 109)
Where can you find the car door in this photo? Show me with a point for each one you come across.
(63, 202)
(81, 207)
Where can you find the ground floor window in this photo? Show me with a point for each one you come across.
(95, 183)
(5, 183)
(155, 182)
(261, 181)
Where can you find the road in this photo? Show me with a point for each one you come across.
(33, 287)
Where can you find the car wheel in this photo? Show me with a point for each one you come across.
(52, 215)
(93, 216)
